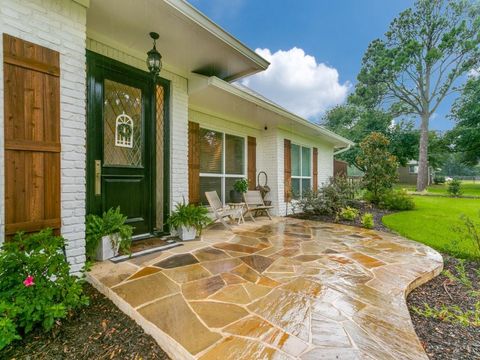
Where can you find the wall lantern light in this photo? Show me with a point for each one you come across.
(154, 59)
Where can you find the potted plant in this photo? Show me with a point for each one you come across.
(239, 187)
(107, 235)
(189, 219)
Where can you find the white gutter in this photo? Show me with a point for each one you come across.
(349, 146)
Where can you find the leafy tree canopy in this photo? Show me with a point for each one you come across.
(465, 136)
(453, 166)
(357, 122)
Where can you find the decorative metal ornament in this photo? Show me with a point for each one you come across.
(154, 58)
(264, 189)
(124, 131)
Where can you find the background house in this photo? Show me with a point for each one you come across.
(408, 174)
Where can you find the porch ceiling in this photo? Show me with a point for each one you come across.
(189, 41)
(217, 97)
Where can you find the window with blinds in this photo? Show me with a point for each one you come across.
(301, 160)
(222, 162)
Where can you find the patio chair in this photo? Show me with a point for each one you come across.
(221, 212)
(254, 204)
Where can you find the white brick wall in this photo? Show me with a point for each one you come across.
(325, 162)
(269, 162)
(270, 153)
(178, 141)
(59, 25)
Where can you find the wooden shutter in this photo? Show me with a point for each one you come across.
(252, 163)
(315, 169)
(194, 162)
(339, 168)
(287, 169)
(32, 136)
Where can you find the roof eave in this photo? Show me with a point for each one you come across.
(219, 83)
(196, 16)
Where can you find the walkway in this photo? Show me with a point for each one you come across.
(285, 289)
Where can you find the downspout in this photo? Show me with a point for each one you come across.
(342, 150)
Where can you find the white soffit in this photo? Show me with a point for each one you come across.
(189, 41)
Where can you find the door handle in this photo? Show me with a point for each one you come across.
(98, 177)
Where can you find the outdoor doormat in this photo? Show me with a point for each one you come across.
(151, 242)
(121, 258)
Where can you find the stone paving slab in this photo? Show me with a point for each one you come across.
(281, 289)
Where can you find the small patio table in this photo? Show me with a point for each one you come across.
(241, 210)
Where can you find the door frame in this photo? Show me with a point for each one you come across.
(95, 63)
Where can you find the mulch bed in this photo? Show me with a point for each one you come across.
(363, 207)
(98, 331)
(440, 339)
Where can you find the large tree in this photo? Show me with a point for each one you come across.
(356, 122)
(420, 61)
(466, 133)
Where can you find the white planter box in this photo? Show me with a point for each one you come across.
(187, 233)
(105, 250)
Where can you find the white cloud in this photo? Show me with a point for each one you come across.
(297, 82)
(474, 73)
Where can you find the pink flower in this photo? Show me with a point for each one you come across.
(28, 281)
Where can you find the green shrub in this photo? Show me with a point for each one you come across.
(367, 221)
(397, 200)
(331, 198)
(36, 288)
(439, 179)
(348, 213)
(455, 187)
(378, 164)
(189, 215)
(241, 186)
(369, 197)
(111, 222)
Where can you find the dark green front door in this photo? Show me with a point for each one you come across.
(121, 142)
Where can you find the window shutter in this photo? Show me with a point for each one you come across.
(287, 169)
(252, 162)
(315, 169)
(32, 136)
(194, 162)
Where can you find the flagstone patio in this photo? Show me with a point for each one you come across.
(282, 289)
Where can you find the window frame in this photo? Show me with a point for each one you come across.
(223, 176)
(301, 177)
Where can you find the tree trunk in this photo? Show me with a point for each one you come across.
(422, 176)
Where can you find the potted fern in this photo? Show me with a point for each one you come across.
(189, 220)
(107, 235)
(239, 188)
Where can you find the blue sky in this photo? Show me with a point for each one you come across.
(334, 32)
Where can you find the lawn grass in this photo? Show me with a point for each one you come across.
(469, 188)
(433, 223)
